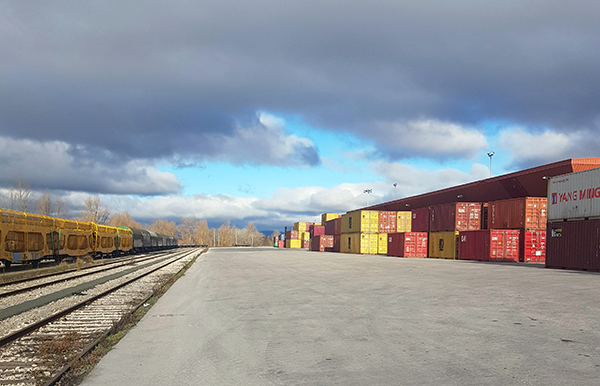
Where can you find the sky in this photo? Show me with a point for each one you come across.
(277, 111)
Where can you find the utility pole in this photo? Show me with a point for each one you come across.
(214, 237)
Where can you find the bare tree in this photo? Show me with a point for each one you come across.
(226, 235)
(203, 234)
(94, 212)
(20, 196)
(43, 204)
(60, 208)
(123, 219)
(187, 229)
(163, 226)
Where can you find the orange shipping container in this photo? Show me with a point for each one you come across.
(387, 221)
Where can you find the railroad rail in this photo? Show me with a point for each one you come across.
(22, 359)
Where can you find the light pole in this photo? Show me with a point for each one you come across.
(368, 191)
(395, 185)
(490, 154)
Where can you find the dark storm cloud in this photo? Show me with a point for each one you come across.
(174, 79)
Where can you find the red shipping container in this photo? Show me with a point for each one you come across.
(321, 243)
(420, 220)
(317, 230)
(489, 245)
(457, 216)
(306, 244)
(573, 245)
(336, 243)
(387, 221)
(407, 244)
(281, 244)
(333, 227)
(291, 235)
(524, 212)
(532, 246)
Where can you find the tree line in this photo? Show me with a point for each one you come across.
(189, 231)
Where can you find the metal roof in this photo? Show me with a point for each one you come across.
(525, 183)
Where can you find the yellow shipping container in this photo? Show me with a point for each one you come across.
(304, 235)
(300, 226)
(359, 243)
(360, 221)
(382, 243)
(293, 244)
(443, 245)
(404, 221)
(328, 216)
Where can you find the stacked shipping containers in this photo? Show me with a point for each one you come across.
(573, 231)
(334, 228)
(445, 223)
(359, 232)
(528, 215)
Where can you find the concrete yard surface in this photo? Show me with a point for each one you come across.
(265, 316)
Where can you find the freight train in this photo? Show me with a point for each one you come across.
(29, 238)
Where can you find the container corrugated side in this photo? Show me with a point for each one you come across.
(404, 221)
(293, 244)
(407, 244)
(300, 226)
(443, 245)
(420, 220)
(317, 230)
(337, 241)
(387, 221)
(573, 245)
(360, 221)
(518, 213)
(574, 196)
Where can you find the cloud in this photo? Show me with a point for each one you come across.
(428, 139)
(156, 82)
(529, 149)
(58, 165)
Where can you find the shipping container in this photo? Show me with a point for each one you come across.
(328, 216)
(360, 221)
(300, 226)
(484, 216)
(291, 235)
(333, 227)
(305, 244)
(359, 243)
(532, 246)
(443, 245)
(489, 245)
(457, 216)
(321, 243)
(387, 221)
(407, 244)
(281, 244)
(420, 220)
(574, 196)
(317, 230)
(573, 245)
(403, 221)
(336, 244)
(293, 244)
(518, 213)
(382, 243)
(304, 236)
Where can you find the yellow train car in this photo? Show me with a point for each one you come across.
(29, 238)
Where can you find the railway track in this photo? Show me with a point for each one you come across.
(37, 351)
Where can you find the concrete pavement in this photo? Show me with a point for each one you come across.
(292, 317)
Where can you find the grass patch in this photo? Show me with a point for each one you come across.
(82, 367)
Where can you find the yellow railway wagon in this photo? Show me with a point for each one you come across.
(382, 243)
(124, 239)
(404, 221)
(443, 245)
(360, 221)
(359, 243)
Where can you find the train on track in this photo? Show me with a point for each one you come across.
(29, 238)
